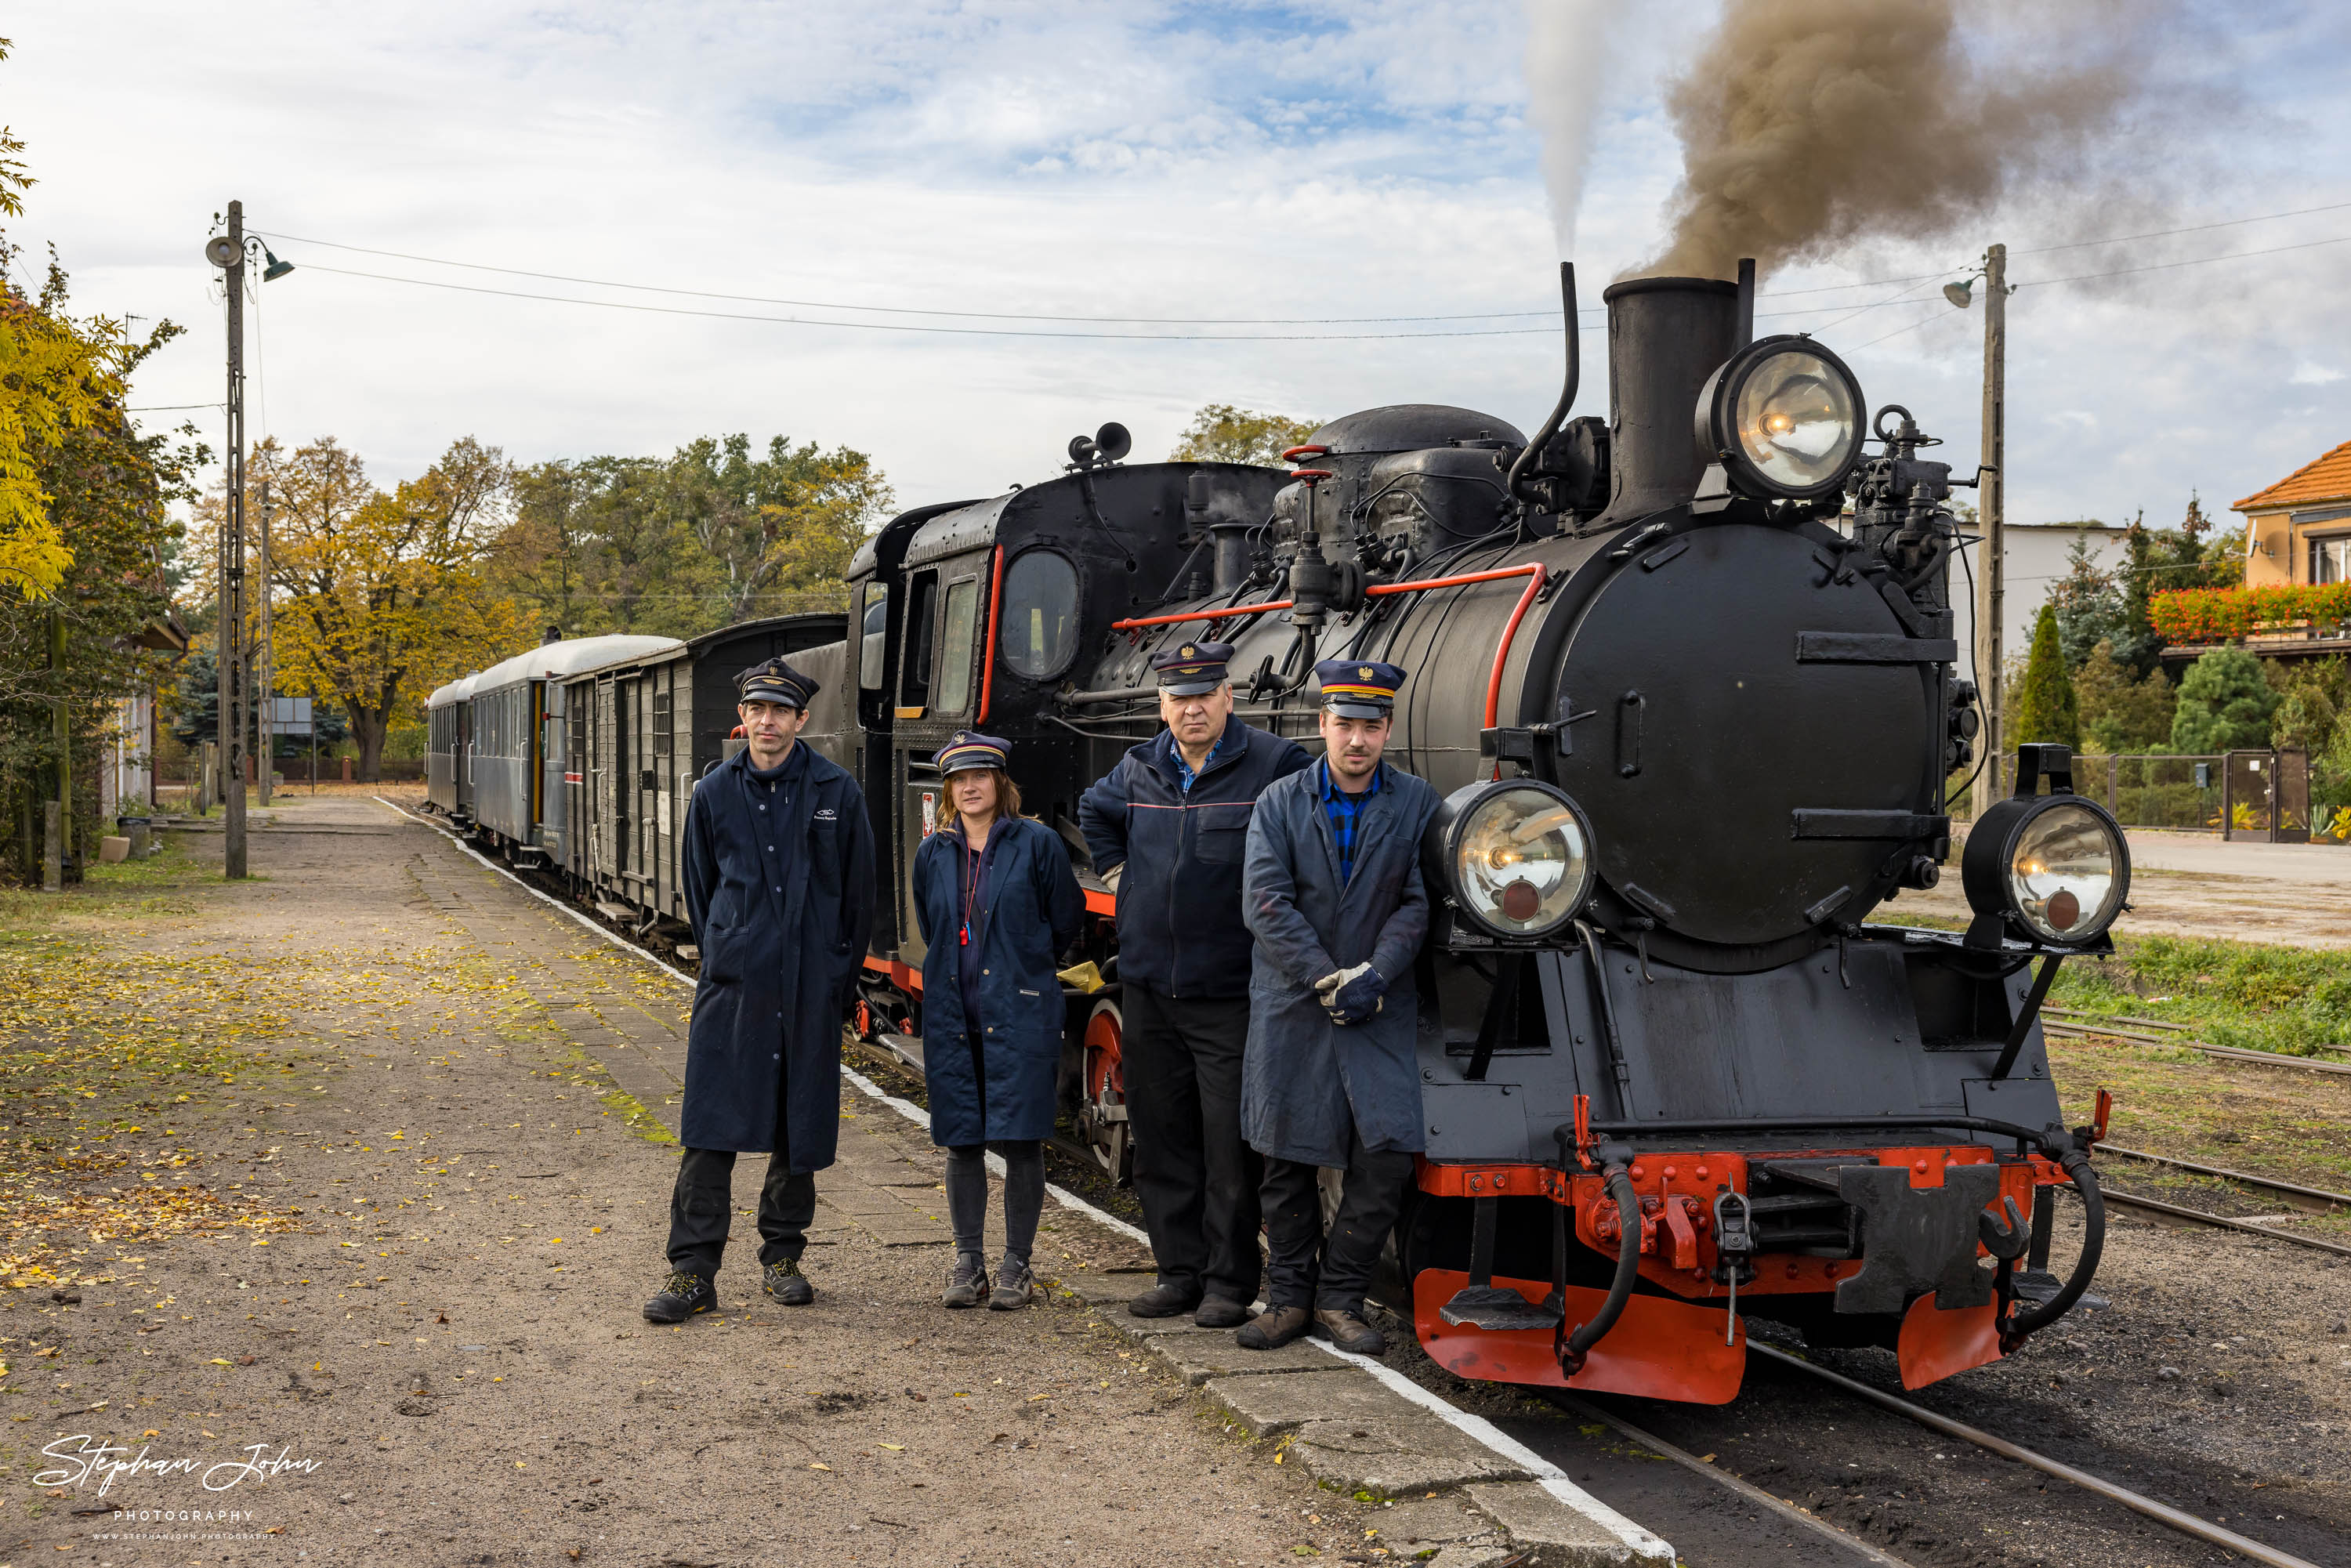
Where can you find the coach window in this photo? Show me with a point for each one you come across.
(955, 645)
(1040, 614)
(873, 629)
(914, 655)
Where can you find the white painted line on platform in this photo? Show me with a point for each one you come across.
(1549, 1477)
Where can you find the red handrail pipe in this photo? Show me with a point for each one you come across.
(1532, 571)
(988, 659)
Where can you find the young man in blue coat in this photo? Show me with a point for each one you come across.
(778, 872)
(1168, 826)
(1333, 896)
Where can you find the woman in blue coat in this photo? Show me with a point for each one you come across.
(996, 903)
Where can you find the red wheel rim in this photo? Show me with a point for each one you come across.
(865, 1022)
(1105, 1070)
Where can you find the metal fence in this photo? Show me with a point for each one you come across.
(2261, 795)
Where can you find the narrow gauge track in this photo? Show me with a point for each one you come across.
(1756, 1526)
(2054, 1021)
(2310, 1199)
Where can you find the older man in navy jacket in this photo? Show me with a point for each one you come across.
(1334, 897)
(1170, 821)
(778, 872)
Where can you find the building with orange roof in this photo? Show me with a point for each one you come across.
(2299, 529)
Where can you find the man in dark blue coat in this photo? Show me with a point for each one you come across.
(778, 873)
(1336, 901)
(1168, 826)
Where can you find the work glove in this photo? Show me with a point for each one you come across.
(1356, 995)
(1110, 877)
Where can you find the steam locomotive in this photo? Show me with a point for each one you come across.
(1686, 681)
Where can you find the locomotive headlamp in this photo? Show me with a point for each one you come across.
(1784, 417)
(2052, 868)
(1515, 856)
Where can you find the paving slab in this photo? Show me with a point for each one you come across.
(1557, 1535)
(1200, 1354)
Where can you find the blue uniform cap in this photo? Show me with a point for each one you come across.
(1353, 688)
(776, 682)
(1190, 669)
(968, 749)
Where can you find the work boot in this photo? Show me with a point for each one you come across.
(1164, 1302)
(787, 1284)
(1273, 1328)
(1217, 1312)
(680, 1296)
(1348, 1332)
(966, 1283)
(1015, 1286)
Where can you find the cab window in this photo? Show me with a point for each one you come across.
(1040, 614)
(872, 633)
(956, 644)
(914, 657)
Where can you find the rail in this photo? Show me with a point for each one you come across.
(2162, 1514)
(1531, 570)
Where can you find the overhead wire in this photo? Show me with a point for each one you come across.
(1207, 320)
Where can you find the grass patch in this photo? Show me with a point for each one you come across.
(2294, 1000)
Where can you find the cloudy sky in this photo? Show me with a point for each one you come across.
(890, 164)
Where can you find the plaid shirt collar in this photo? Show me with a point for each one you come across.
(1344, 811)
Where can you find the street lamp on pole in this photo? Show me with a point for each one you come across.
(230, 252)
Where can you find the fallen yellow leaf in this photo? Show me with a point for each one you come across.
(216, 1361)
(893, 1447)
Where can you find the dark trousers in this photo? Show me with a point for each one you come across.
(703, 1199)
(1308, 1269)
(1196, 1177)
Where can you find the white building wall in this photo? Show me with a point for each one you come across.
(2037, 556)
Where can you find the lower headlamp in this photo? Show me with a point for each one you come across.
(2052, 870)
(1514, 856)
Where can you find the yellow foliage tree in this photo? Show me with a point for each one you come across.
(379, 598)
(55, 376)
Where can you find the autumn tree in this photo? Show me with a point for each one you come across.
(87, 545)
(384, 596)
(57, 375)
(1219, 432)
(778, 528)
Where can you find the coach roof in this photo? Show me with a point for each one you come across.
(553, 661)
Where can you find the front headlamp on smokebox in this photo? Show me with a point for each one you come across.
(1515, 857)
(2051, 870)
(1783, 419)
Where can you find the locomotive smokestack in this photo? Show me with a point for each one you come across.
(1665, 336)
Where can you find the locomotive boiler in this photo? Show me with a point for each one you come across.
(1687, 680)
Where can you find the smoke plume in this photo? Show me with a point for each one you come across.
(1567, 46)
(1809, 125)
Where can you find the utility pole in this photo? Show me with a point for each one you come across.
(266, 662)
(227, 253)
(1990, 564)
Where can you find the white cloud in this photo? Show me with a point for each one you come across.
(2306, 374)
(1317, 160)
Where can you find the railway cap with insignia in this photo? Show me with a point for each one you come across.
(968, 750)
(1355, 688)
(1191, 669)
(776, 682)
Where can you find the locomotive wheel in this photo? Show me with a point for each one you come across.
(1102, 1118)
